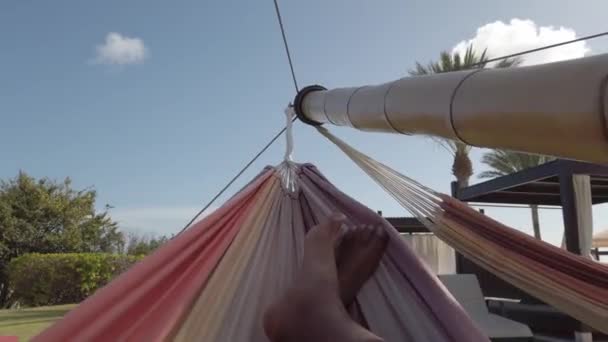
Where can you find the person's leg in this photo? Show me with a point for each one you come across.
(359, 255)
(312, 310)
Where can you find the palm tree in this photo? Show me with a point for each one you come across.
(462, 167)
(504, 162)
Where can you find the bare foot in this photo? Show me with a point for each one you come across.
(359, 255)
(311, 310)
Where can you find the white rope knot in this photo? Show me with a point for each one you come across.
(288, 169)
(289, 115)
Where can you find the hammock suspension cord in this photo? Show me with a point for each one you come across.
(546, 47)
(272, 140)
(290, 61)
(293, 73)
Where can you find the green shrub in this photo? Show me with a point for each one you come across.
(52, 279)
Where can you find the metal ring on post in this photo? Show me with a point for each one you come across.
(453, 97)
(325, 110)
(352, 124)
(388, 120)
(298, 104)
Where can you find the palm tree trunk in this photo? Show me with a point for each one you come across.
(462, 182)
(462, 167)
(535, 221)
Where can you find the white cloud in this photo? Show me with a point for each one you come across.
(120, 50)
(158, 220)
(519, 35)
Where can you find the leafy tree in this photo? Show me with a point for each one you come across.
(462, 167)
(63, 278)
(45, 216)
(143, 245)
(504, 162)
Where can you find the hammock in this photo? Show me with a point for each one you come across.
(213, 282)
(571, 283)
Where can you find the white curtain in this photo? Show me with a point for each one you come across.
(435, 253)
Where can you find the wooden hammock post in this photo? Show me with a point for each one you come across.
(556, 109)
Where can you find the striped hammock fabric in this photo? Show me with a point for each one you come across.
(571, 283)
(213, 282)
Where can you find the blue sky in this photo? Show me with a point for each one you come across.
(159, 136)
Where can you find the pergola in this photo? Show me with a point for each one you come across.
(406, 225)
(551, 184)
(548, 184)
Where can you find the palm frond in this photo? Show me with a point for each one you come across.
(504, 162)
(490, 174)
(457, 65)
(447, 144)
(509, 62)
(418, 70)
(446, 62)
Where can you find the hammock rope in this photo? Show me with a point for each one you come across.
(546, 47)
(270, 142)
(286, 46)
(571, 283)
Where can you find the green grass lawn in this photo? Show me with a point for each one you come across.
(27, 323)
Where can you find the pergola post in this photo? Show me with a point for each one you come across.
(575, 192)
(457, 256)
(569, 212)
(577, 211)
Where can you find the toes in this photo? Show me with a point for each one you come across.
(345, 243)
(332, 229)
(336, 225)
(366, 233)
(381, 237)
(349, 239)
(344, 236)
(380, 232)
